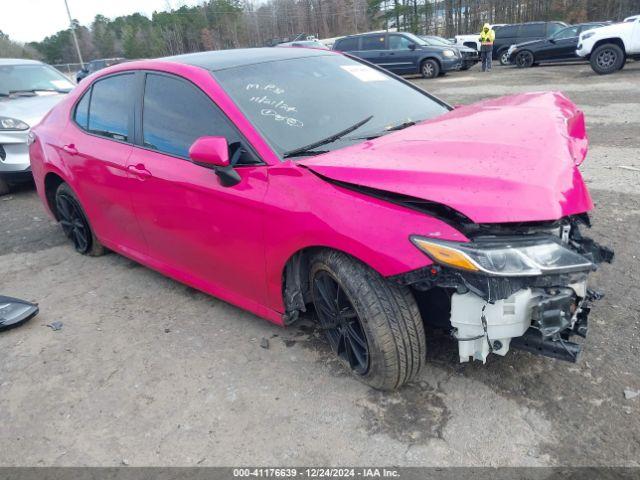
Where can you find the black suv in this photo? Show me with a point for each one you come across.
(507, 35)
(402, 53)
(561, 46)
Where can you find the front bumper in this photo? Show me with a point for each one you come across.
(541, 321)
(451, 64)
(489, 314)
(14, 154)
(470, 59)
(582, 51)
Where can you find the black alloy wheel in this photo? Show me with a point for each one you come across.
(73, 222)
(524, 59)
(340, 321)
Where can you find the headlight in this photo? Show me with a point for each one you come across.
(506, 259)
(449, 53)
(7, 123)
(588, 35)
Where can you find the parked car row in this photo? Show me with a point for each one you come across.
(406, 53)
(605, 45)
(560, 46)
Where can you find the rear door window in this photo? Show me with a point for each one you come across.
(111, 106)
(176, 113)
(507, 31)
(373, 42)
(535, 30)
(347, 44)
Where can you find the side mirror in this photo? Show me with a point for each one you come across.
(552, 40)
(213, 152)
(412, 46)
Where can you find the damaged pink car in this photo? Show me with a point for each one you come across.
(295, 180)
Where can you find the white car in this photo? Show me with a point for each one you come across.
(473, 40)
(28, 90)
(608, 48)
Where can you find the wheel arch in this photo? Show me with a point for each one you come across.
(52, 181)
(614, 40)
(295, 279)
(430, 57)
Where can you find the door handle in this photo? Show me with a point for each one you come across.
(139, 170)
(70, 149)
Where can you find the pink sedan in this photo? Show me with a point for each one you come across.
(294, 180)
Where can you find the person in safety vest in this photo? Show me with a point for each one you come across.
(487, 36)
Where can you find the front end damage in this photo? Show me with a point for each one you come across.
(488, 311)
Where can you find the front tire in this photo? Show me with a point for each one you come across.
(607, 58)
(524, 59)
(430, 68)
(75, 224)
(373, 325)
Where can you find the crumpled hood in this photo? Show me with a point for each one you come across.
(29, 109)
(510, 159)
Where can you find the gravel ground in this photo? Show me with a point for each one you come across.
(146, 371)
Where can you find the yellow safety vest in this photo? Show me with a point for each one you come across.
(487, 38)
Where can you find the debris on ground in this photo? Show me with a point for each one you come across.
(55, 326)
(167, 330)
(627, 167)
(264, 343)
(630, 393)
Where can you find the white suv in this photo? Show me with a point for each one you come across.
(607, 48)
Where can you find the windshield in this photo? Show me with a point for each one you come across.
(414, 38)
(16, 78)
(438, 41)
(298, 102)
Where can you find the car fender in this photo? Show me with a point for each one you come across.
(431, 56)
(327, 215)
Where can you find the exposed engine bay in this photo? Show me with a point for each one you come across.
(489, 312)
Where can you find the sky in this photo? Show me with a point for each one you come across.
(32, 20)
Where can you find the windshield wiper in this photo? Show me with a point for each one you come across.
(394, 128)
(308, 149)
(36, 90)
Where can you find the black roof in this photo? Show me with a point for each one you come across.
(223, 59)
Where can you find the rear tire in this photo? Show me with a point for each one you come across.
(430, 68)
(4, 187)
(382, 313)
(75, 223)
(607, 58)
(504, 57)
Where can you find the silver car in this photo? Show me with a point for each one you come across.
(28, 90)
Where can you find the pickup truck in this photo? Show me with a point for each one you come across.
(608, 48)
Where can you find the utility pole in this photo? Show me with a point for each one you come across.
(73, 33)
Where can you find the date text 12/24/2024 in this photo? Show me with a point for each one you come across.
(316, 472)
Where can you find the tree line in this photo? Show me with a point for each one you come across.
(221, 24)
